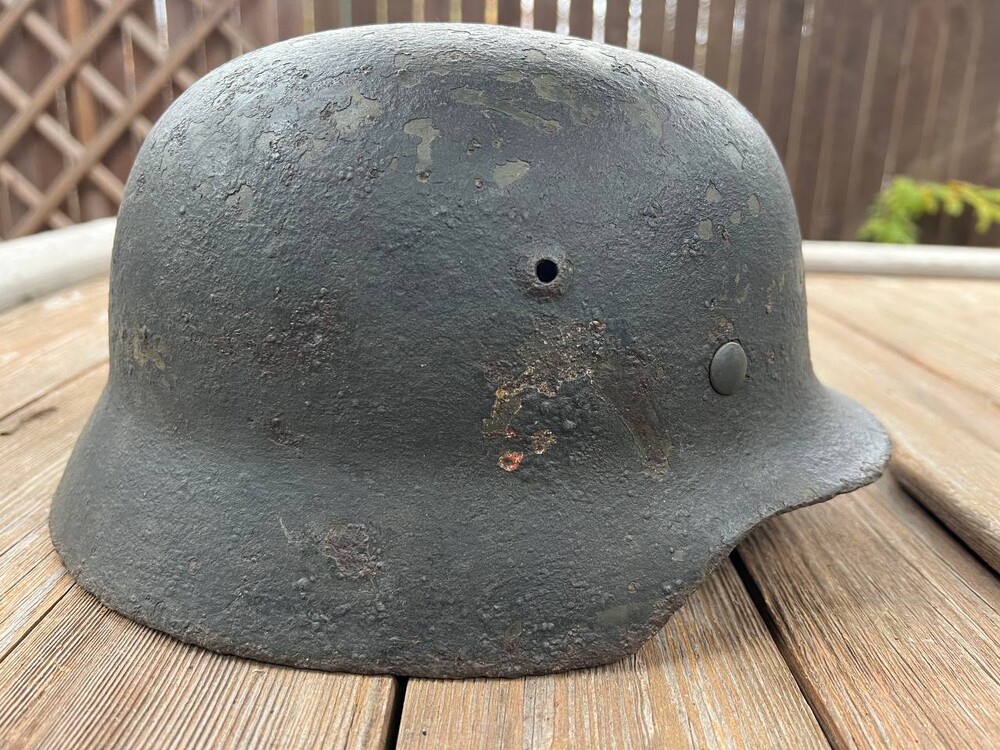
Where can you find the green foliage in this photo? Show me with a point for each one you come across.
(894, 214)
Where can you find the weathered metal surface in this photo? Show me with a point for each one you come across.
(411, 333)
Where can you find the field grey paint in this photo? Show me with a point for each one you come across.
(411, 339)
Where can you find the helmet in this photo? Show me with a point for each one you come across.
(447, 351)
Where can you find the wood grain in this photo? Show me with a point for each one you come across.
(85, 677)
(943, 324)
(51, 340)
(890, 625)
(35, 443)
(946, 437)
(711, 678)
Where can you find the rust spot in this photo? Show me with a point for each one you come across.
(144, 348)
(510, 460)
(542, 440)
(723, 328)
(349, 546)
(563, 357)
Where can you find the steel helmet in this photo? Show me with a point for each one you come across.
(445, 351)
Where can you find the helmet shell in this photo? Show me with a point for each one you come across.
(414, 331)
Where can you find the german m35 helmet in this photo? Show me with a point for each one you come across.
(447, 351)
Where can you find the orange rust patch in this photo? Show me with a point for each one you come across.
(542, 440)
(510, 460)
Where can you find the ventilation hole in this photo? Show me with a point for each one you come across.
(546, 270)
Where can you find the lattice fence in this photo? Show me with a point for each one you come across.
(851, 91)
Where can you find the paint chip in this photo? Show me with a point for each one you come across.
(424, 130)
(734, 155)
(510, 172)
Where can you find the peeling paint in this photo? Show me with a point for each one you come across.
(349, 546)
(355, 114)
(566, 352)
(641, 112)
(551, 89)
(510, 460)
(734, 155)
(510, 172)
(753, 203)
(145, 348)
(447, 61)
(477, 98)
(240, 202)
(511, 76)
(705, 229)
(541, 441)
(424, 130)
(712, 194)
(723, 329)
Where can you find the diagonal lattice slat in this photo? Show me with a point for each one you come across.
(114, 129)
(48, 168)
(58, 77)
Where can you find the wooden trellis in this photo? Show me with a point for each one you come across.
(850, 91)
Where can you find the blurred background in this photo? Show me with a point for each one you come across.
(853, 93)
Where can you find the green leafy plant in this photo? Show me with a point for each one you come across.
(894, 214)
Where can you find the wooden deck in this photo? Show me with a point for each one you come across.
(869, 621)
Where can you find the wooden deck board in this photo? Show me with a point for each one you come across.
(943, 324)
(946, 437)
(711, 678)
(35, 443)
(50, 340)
(890, 625)
(83, 662)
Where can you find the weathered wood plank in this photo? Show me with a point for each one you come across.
(85, 677)
(937, 322)
(35, 443)
(651, 31)
(51, 340)
(711, 678)
(890, 625)
(581, 18)
(946, 441)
